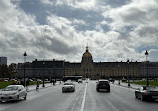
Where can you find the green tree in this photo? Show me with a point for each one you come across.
(4, 72)
(12, 68)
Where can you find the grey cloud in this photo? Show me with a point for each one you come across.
(134, 15)
(56, 45)
(116, 3)
(114, 37)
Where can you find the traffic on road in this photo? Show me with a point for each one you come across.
(84, 97)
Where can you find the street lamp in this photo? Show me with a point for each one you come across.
(146, 54)
(24, 65)
(128, 74)
(118, 75)
(43, 73)
(113, 73)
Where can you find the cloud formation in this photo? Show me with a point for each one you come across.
(60, 29)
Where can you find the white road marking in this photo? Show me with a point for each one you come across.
(84, 98)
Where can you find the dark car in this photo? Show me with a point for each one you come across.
(103, 85)
(147, 92)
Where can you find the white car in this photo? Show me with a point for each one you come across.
(68, 86)
(13, 92)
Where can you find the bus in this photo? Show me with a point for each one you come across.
(72, 78)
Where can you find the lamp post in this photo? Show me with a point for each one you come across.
(146, 54)
(128, 74)
(118, 75)
(24, 65)
(112, 73)
(43, 74)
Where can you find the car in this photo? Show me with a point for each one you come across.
(79, 80)
(68, 86)
(103, 85)
(146, 93)
(6, 80)
(111, 80)
(39, 80)
(30, 80)
(13, 92)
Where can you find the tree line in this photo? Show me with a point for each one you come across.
(8, 71)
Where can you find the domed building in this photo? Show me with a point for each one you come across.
(87, 56)
(95, 70)
(87, 68)
(87, 64)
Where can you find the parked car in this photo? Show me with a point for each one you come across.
(68, 86)
(124, 80)
(79, 80)
(13, 92)
(103, 85)
(147, 92)
(111, 80)
(30, 80)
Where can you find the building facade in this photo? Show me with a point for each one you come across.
(96, 70)
(87, 68)
(41, 68)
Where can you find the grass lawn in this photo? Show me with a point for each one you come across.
(152, 83)
(4, 84)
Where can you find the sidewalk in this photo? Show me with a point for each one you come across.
(33, 87)
(133, 86)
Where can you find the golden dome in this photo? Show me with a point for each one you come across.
(87, 56)
(87, 53)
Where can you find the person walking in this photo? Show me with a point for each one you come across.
(37, 85)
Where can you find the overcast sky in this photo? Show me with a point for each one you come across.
(115, 30)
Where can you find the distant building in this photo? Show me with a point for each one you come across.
(42, 68)
(149, 69)
(3, 60)
(97, 70)
(87, 68)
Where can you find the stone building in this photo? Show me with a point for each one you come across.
(96, 70)
(87, 68)
(42, 68)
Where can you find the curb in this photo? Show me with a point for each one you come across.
(126, 86)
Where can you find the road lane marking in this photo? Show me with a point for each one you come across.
(78, 98)
(84, 98)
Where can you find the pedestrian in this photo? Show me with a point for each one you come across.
(37, 85)
(51, 81)
(27, 84)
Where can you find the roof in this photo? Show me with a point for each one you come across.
(15, 85)
(87, 54)
(102, 80)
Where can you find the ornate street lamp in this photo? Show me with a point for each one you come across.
(146, 54)
(24, 65)
(43, 74)
(128, 74)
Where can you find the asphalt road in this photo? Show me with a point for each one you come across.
(85, 98)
